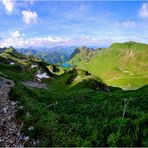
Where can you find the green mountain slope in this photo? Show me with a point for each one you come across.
(13, 56)
(77, 109)
(83, 54)
(22, 67)
(76, 114)
(123, 65)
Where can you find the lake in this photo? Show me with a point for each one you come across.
(66, 65)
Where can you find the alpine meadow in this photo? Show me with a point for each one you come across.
(73, 73)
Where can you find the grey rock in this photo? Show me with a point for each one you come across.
(30, 128)
(26, 138)
(5, 110)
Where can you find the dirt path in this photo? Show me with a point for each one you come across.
(9, 130)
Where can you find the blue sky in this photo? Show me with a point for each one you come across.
(52, 23)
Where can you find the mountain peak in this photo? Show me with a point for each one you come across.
(83, 50)
(10, 50)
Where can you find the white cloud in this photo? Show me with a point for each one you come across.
(143, 12)
(127, 24)
(9, 5)
(18, 41)
(16, 34)
(30, 17)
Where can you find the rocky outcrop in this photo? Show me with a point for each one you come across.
(10, 135)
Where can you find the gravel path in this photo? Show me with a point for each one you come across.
(9, 128)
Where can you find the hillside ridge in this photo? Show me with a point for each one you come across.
(126, 61)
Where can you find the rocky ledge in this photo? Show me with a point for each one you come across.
(10, 135)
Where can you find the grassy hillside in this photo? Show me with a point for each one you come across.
(76, 114)
(76, 109)
(123, 65)
(19, 67)
(13, 56)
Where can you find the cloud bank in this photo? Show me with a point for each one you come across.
(18, 40)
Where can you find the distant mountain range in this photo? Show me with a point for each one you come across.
(121, 65)
(58, 54)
